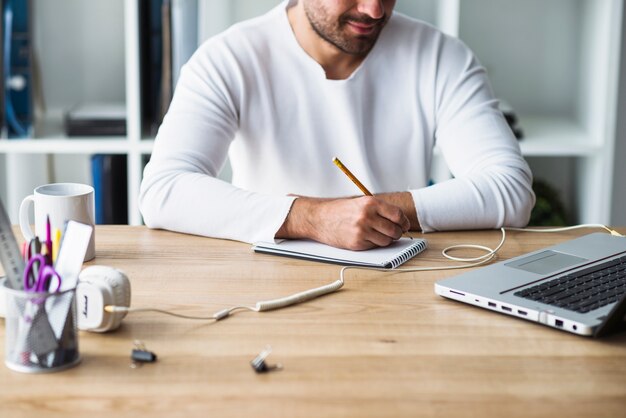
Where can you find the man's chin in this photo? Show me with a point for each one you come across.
(358, 46)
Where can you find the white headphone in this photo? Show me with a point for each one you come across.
(98, 288)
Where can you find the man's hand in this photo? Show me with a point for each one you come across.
(356, 223)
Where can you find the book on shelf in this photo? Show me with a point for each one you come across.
(168, 38)
(166, 60)
(96, 119)
(151, 57)
(3, 129)
(109, 174)
(184, 34)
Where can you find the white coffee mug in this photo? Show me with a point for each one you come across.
(61, 202)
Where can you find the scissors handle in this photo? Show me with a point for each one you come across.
(32, 272)
(38, 275)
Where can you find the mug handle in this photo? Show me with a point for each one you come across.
(24, 223)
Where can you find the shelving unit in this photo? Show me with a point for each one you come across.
(555, 62)
(119, 37)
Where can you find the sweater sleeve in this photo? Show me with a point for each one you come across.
(179, 190)
(491, 184)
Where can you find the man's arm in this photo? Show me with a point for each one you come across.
(356, 223)
(180, 190)
(492, 184)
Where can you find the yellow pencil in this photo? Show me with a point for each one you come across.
(357, 182)
(351, 176)
(56, 243)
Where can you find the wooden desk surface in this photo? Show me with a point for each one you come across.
(385, 345)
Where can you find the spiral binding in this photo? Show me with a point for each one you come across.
(407, 254)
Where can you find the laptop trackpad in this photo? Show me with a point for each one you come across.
(545, 262)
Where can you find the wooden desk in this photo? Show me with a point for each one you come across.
(385, 345)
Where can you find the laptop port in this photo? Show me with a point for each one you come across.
(558, 323)
(506, 308)
(491, 304)
(519, 311)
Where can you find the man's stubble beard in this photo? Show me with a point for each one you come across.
(335, 32)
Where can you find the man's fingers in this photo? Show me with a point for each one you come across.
(391, 212)
(394, 217)
(380, 239)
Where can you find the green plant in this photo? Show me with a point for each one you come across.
(549, 209)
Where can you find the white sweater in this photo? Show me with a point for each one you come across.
(254, 94)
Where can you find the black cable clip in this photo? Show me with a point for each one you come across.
(260, 366)
(141, 355)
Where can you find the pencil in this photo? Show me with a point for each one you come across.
(357, 182)
(351, 176)
(56, 244)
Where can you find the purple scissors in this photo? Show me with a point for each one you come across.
(38, 276)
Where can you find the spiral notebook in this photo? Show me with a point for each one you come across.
(389, 257)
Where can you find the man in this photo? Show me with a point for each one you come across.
(284, 93)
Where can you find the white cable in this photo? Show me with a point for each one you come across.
(483, 259)
(569, 228)
(486, 257)
(492, 253)
(336, 285)
(113, 309)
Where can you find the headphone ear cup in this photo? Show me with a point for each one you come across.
(100, 286)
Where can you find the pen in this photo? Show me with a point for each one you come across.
(33, 250)
(48, 241)
(34, 247)
(351, 176)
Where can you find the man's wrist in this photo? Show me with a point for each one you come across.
(300, 222)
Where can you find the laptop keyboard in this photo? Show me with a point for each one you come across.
(584, 290)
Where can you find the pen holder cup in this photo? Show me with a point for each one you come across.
(40, 331)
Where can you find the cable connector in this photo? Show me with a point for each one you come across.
(221, 314)
(114, 309)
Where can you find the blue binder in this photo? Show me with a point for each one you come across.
(17, 69)
(111, 188)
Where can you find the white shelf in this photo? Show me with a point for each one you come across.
(550, 137)
(146, 145)
(555, 62)
(104, 145)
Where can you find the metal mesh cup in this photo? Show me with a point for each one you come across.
(2, 298)
(40, 331)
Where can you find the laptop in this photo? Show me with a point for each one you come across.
(577, 286)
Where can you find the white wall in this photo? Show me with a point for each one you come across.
(80, 44)
(217, 15)
(618, 212)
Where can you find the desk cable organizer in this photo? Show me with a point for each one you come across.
(306, 295)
